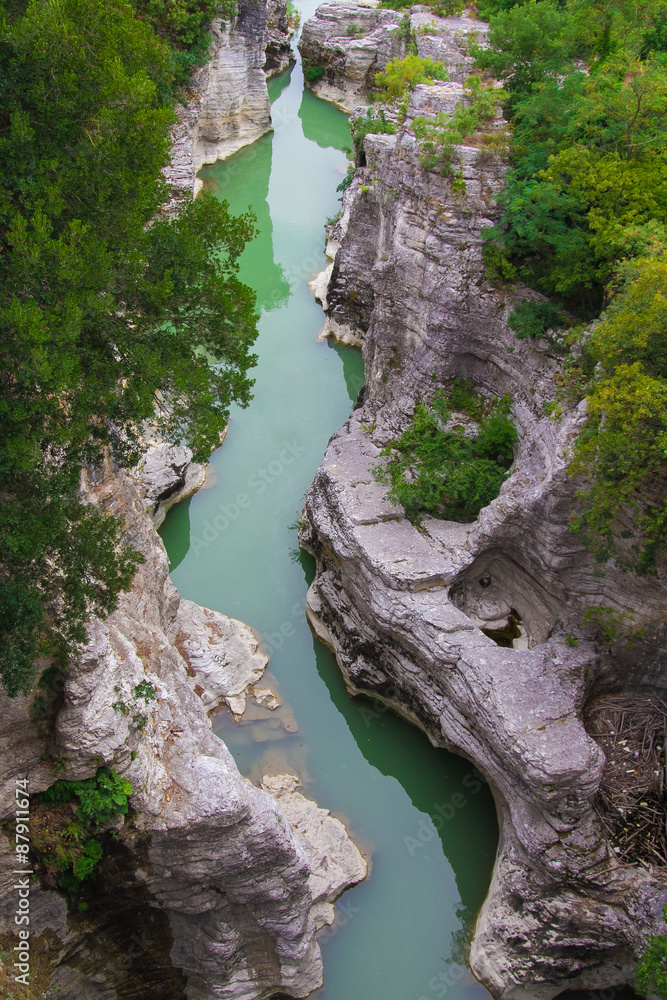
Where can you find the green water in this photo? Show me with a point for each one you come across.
(422, 814)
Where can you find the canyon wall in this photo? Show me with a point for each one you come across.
(206, 888)
(403, 605)
(229, 107)
(347, 43)
(209, 886)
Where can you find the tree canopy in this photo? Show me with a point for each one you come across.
(106, 308)
(584, 221)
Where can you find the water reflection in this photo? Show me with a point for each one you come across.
(247, 174)
(323, 123)
(353, 368)
(175, 533)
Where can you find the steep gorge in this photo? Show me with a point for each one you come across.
(403, 604)
(205, 888)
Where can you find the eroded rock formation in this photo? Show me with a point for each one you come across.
(353, 40)
(230, 108)
(210, 886)
(403, 605)
(225, 895)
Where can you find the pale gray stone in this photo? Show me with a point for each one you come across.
(400, 604)
(230, 105)
(355, 39)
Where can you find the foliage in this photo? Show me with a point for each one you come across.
(405, 34)
(533, 319)
(368, 124)
(66, 850)
(347, 180)
(623, 447)
(311, 72)
(402, 75)
(611, 623)
(184, 24)
(652, 968)
(527, 44)
(437, 469)
(440, 135)
(293, 15)
(100, 798)
(145, 690)
(442, 8)
(588, 186)
(101, 314)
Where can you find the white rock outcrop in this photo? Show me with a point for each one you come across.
(237, 883)
(230, 105)
(352, 40)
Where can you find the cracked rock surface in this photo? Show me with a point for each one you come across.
(233, 886)
(353, 40)
(230, 106)
(403, 604)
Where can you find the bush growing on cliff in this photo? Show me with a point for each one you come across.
(66, 847)
(368, 124)
(440, 134)
(102, 316)
(311, 72)
(438, 469)
(531, 320)
(652, 968)
(401, 76)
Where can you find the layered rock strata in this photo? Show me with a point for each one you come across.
(165, 476)
(345, 44)
(225, 893)
(230, 108)
(403, 604)
(280, 27)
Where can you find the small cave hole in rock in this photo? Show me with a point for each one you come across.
(506, 634)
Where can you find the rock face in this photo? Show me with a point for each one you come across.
(237, 892)
(231, 107)
(402, 605)
(353, 40)
(279, 31)
(165, 476)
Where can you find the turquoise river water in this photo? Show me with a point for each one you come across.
(422, 814)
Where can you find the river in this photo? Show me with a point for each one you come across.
(422, 814)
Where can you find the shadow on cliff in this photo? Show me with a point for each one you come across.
(353, 367)
(175, 533)
(463, 815)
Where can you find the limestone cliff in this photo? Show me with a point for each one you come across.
(403, 605)
(210, 886)
(351, 41)
(207, 889)
(230, 105)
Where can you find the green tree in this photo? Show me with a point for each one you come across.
(184, 24)
(105, 312)
(402, 75)
(652, 968)
(527, 44)
(623, 448)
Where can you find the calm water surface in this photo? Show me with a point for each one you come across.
(422, 814)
